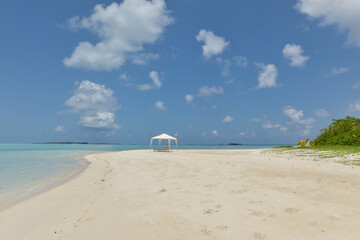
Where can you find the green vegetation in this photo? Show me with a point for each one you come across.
(336, 150)
(340, 141)
(344, 132)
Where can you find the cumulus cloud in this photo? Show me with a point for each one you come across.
(306, 132)
(124, 77)
(228, 119)
(256, 120)
(213, 45)
(269, 125)
(59, 128)
(143, 58)
(95, 104)
(206, 91)
(214, 132)
(189, 98)
(294, 53)
(225, 65)
(321, 113)
(154, 76)
(354, 106)
(160, 105)
(241, 61)
(267, 75)
(297, 116)
(356, 85)
(336, 71)
(123, 29)
(343, 14)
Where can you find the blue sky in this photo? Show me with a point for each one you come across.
(206, 71)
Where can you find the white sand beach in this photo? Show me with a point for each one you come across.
(194, 194)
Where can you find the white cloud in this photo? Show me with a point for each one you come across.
(344, 14)
(284, 129)
(228, 119)
(257, 120)
(294, 53)
(214, 132)
(160, 105)
(206, 91)
(143, 58)
(356, 85)
(297, 116)
(267, 76)
(242, 134)
(214, 45)
(336, 71)
(95, 104)
(189, 98)
(124, 77)
(306, 132)
(354, 106)
(241, 61)
(203, 134)
(156, 82)
(123, 29)
(145, 87)
(321, 113)
(225, 65)
(59, 128)
(266, 124)
(155, 77)
(230, 81)
(269, 125)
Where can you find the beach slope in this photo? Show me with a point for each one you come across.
(194, 194)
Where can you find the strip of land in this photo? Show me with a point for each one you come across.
(195, 194)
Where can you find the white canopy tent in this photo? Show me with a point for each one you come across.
(164, 136)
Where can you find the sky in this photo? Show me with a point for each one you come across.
(204, 71)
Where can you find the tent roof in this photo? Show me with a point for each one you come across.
(164, 136)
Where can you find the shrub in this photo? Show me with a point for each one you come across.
(341, 132)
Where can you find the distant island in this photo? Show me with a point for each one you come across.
(234, 144)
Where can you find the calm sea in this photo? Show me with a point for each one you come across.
(25, 166)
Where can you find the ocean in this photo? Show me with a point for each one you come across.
(28, 167)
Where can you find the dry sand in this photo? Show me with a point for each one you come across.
(194, 194)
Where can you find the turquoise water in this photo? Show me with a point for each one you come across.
(23, 166)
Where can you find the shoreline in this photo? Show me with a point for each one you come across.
(44, 185)
(194, 194)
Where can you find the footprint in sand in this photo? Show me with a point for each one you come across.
(259, 236)
(57, 235)
(273, 215)
(209, 211)
(256, 213)
(291, 210)
(222, 227)
(205, 230)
